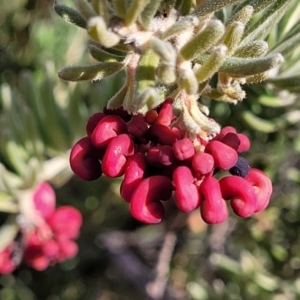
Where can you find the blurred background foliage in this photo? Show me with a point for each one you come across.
(41, 117)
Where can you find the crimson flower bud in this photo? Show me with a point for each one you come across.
(115, 157)
(134, 173)
(245, 143)
(83, 160)
(66, 222)
(161, 134)
(187, 197)
(262, 186)
(120, 112)
(213, 207)
(152, 157)
(224, 131)
(137, 126)
(232, 140)
(166, 155)
(224, 156)
(108, 128)
(145, 205)
(183, 149)
(242, 195)
(165, 114)
(151, 116)
(93, 122)
(203, 163)
(44, 199)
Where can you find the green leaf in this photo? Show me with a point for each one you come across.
(8, 232)
(259, 124)
(86, 9)
(103, 56)
(90, 72)
(98, 31)
(135, 9)
(286, 82)
(148, 13)
(240, 67)
(288, 45)
(266, 23)
(272, 101)
(70, 15)
(145, 73)
(203, 41)
(211, 6)
(252, 49)
(212, 64)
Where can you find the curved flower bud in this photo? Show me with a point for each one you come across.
(145, 205)
(241, 193)
(232, 140)
(213, 207)
(187, 197)
(83, 160)
(262, 187)
(134, 172)
(224, 156)
(166, 155)
(244, 143)
(183, 149)
(65, 222)
(224, 131)
(108, 128)
(165, 114)
(161, 134)
(115, 157)
(93, 122)
(203, 163)
(137, 126)
(44, 199)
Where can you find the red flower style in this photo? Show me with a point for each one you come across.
(158, 159)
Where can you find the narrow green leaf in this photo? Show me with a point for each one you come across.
(185, 7)
(265, 24)
(86, 9)
(181, 25)
(70, 15)
(203, 41)
(212, 64)
(116, 100)
(90, 72)
(244, 15)
(145, 73)
(148, 13)
(135, 9)
(103, 56)
(259, 124)
(233, 36)
(8, 232)
(286, 82)
(240, 67)
(276, 101)
(287, 46)
(257, 5)
(211, 6)
(252, 49)
(119, 7)
(97, 30)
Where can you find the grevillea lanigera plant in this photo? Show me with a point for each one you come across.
(155, 131)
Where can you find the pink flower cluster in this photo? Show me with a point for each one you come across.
(53, 241)
(157, 158)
